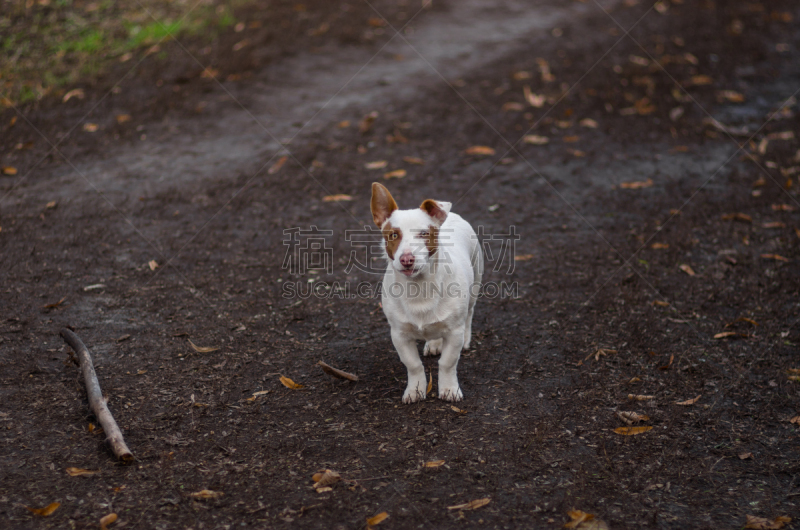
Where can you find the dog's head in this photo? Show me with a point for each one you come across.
(411, 237)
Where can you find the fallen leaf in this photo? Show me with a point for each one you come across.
(725, 334)
(782, 208)
(378, 164)
(669, 364)
(761, 523)
(90, 127)
(774, 224)
(588, 122)
(8, 170)
(632, 431)
(456, 409)
(634, 380)
(153, 264)
(512, 106)
(397, 173)
(367, 122)
(602, 352)
(471, 505)
(544, 68)
(688, 401)
(54, 304)
(571, 139)
(288, 383)
(776, 257)
(730, 95)
(46, 511)
(209, 73)
(344, 124)
(430, 384)
(481, 150)
(335, 372)
(640, 397)
(277, 165)
(256, 394)
(745, 456)
(434, 463)
(324, 489)
(534, 100)
(413, 160)
(522, 74)
(325, 478)
(660, 303)
(584, 521)
(122, 118)
(632, 417)
(107, 520)
(795, 420)
(701, 80)
(743, 319)
(795, 378)
(378, 519)
(74, 93)
(737, 217)
(659, 246)
(78, 472)
(687, 269)
(202, 349)
(534, 139)
(636, 185)
(206, 494)
(337, 198)
(784, 135)
(51, 205)
(523, 257)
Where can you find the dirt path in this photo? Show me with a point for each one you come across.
(644, 231)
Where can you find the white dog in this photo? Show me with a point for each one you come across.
(430, 286)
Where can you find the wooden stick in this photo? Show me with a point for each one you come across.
(96, 400)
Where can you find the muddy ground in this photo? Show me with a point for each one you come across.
(651, 273)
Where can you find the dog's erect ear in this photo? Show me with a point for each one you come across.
(382, 204)
(436, 209)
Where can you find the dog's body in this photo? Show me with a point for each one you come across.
(430, 286)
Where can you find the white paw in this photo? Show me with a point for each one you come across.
(466, 345)
(412, 395)
(451, 394)
(433, 347)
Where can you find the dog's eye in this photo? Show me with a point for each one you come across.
(424, 234)
(392, 236)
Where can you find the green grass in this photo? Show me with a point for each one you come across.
(45, 49)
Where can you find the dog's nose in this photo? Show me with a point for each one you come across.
(407, 260)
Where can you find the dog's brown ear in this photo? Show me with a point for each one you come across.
(435, 209)
(382, 204)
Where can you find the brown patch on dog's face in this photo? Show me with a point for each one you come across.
(432, 241)
(393, 237)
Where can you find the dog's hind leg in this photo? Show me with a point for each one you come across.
(433, 347)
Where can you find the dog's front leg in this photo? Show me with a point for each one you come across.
(448, 378)
(407, 349)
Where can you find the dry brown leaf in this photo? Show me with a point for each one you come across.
(534, 100)
(456, 409)
(687, 269)
(669, 364)
(783, 135)
(288, 383)
(367, 122)
(153, 264)
(725, 334)
(773, 224)
(335, 372)
(413, 160)
(54, 304)
(701, 80)
(74, 93)
(277, 165)
(634, 380)
(795, 420)
(782, 208)
(640, 397)
(795, 378)
(78, 472)
(660, 303)
(378, 519)
(730, 95)
(397, 174)
(512, 106)
(632, 417)
(430, 384)
(107, 520)
(535, 139)
(378, 164)
(544, 68)
(434, 463)
(761, 523)
(337, 198)
(636, 185)
(46, 511)
(588, 122)
(344, 124)
(584, 521)
(325, 478)
(602, 352)
(202, 349)
(793, 370)
(8, 170)
(482, 150)
(659, 246)
(471, 505)
(571, 139)
(632, 431)
(523, 257)
(776, 257)
(688, 401)
(122, 118)
(745, 456)
(90, 127)
(206, 494)
(737, 217)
